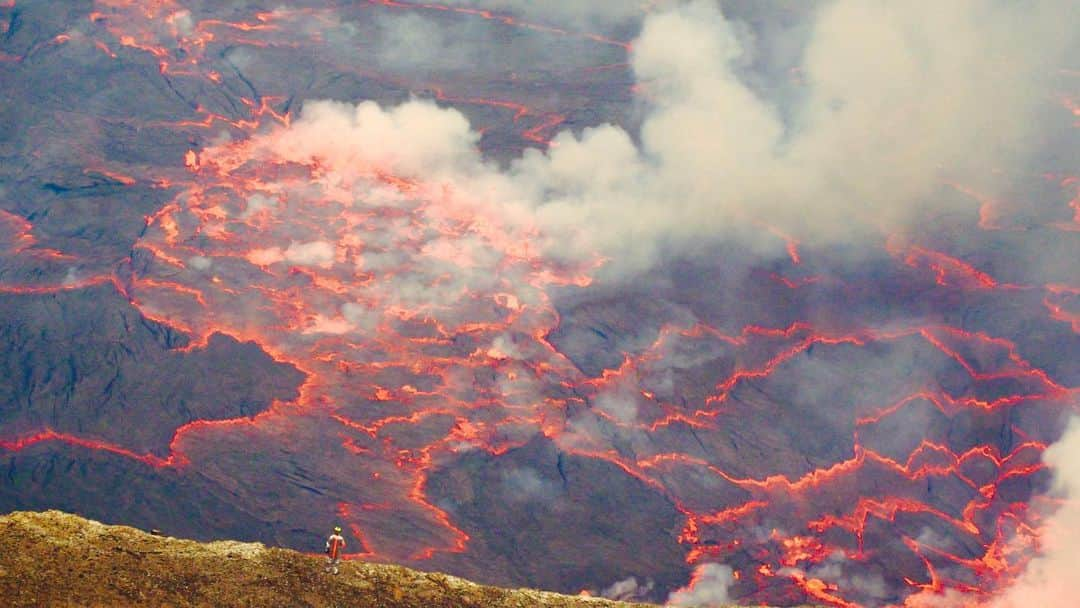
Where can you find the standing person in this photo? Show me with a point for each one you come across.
(334, 545)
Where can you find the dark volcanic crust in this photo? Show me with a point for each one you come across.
(86, 362)
(549, 519)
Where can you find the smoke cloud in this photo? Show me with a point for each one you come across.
(628, 589)
(1050, 578)
(315, 253)
(708, 587)
(896, 100)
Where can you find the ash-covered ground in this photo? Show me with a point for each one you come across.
(688, 301)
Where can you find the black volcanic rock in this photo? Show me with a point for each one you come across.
(544, 517)
(595, 334)
(90, 216)
(114, 489)
(86, 362)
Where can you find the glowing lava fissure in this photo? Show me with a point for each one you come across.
(422, 314)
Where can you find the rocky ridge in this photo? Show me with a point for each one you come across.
(56, 559)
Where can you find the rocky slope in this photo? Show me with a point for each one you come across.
(57, 559)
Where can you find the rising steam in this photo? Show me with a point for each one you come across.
(708, 587)
(1050, 578)
(896, 99)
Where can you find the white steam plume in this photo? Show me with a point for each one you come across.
(895, 96)
(708, 587)
(628, 590)
(898, 96)
(1050, 579)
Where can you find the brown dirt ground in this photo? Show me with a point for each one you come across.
(57, 559)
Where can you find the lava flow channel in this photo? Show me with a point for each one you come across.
(421, 313)
(400, 298)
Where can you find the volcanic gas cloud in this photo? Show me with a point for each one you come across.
(687, 301)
